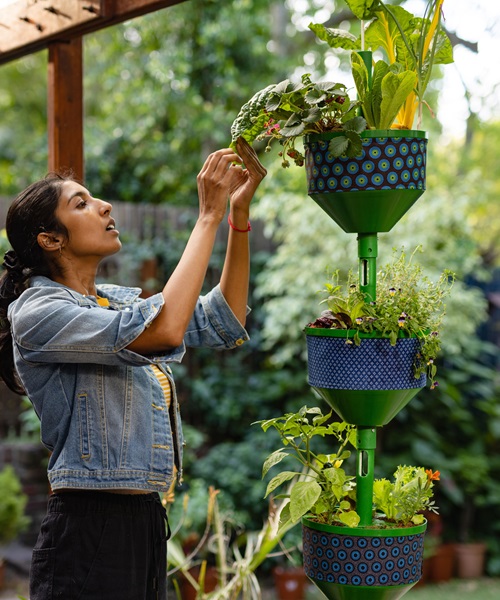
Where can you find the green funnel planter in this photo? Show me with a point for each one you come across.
(362, 563)
(366, 385)
(371, 192)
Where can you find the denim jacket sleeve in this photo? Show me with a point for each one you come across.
(52, 324)
(214, 324)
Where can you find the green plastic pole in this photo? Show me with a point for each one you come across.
(367, 253)
(366, 443)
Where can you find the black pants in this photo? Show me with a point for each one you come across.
(101, 546)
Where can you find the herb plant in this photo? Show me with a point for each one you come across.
(322, 490)
(408, 303)
(403, 500)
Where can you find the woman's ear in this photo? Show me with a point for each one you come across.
(49, 242)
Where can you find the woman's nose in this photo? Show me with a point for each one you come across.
(105, 207)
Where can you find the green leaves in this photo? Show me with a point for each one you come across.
(363, 9)
(303, 496)
(349, 144)
(335, 38)
(324, 491)
(275, 458)
(409, 494)
(250, 120)
(389, 91)
(384, 33)
(278, 480)
(411, 45)
(289, 110)
(395, 88)
(321, 487)
(407, 303)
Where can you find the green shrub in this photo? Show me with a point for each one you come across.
(12, 505)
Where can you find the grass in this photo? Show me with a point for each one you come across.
(477, 589)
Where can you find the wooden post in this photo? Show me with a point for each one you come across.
(65, 107)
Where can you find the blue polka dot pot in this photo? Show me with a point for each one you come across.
(366, 384)
(357, 563)
(372, 191)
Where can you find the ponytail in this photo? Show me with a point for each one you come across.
(13, 282)
(32, 212)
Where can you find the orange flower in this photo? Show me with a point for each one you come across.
(432, 476)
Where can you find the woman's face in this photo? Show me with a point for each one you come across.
(92, 232)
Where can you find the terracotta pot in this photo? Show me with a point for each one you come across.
(470, 560)
(188, 592)
(442, 564)
(290, 583)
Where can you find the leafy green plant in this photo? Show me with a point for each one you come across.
(237, 552)
(286, 111)
(408, 304)
(411, 45)
(324, 492)
(388, 98)
(403, 500)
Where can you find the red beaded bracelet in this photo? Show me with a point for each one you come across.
(249, 228)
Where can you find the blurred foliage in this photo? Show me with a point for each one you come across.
(162, 91)
(12, 505)
(23, 122)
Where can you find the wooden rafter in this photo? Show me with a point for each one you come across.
(65, 107)
(27, 26)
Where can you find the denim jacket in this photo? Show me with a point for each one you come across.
(102, 410)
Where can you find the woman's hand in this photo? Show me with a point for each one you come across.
(247, 179)
(216, 179)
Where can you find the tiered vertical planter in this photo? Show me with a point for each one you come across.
(366, 384)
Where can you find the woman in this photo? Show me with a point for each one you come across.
(94, 362)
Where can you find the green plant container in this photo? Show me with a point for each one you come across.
(371, 192)
(358, 563)
(366, 385)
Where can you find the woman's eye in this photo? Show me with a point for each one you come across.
(82, 204)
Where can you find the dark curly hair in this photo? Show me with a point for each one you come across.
(32, 212)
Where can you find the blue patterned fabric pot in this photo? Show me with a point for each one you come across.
(366, 384)
(373, 365)
(362, 557)
(372, 191)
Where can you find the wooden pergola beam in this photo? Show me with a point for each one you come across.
(65, 107)
(27, 26)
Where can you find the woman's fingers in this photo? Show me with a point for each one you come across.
(249, 157)
(219, 161)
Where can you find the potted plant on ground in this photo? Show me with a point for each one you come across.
(339, 555)
(237, 554)
(290, 580)
(372, 154)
